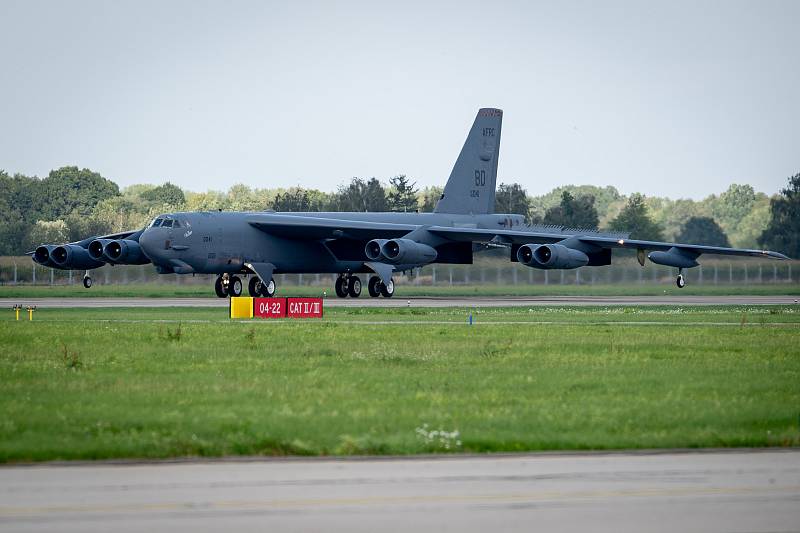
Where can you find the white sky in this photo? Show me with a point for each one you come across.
(666, 98)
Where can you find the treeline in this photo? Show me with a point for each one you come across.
(71, 203)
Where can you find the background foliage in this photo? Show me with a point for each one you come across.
(71, 203)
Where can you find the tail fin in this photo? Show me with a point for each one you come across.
(471, 187)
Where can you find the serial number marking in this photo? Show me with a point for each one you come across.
(488, 132)
(480, 178)
(474, 193)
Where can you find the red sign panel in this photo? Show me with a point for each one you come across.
(269, 307)
(304, 307)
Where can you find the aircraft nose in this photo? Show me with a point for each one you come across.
(148, 240)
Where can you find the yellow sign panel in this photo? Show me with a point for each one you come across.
(242, 307)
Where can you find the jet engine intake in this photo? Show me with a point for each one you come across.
(96, 248)
(42, 254)
(674, 257)
(551, 256)
(373, 249)
(407, 252)
(125, 251)
(72, 256)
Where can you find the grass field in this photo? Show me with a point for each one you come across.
(113, 383)
(207, 291)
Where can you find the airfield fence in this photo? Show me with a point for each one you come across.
(485, 271)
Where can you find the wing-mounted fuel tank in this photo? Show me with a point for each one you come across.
(675, 257)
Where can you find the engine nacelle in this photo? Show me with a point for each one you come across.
(373, 249)
(407, 252)
(96, 248)
(551, 256)
(674, 257)
(42, 254)
(125, 252)
(72, 256)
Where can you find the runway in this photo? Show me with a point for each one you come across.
(753, 491)
(397, 301)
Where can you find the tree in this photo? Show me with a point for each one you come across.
(360, 195)
(783, 231)
(68, 189)
(403, 196)
(634, 219)
(430, 197)
(573, 212)
(512, 199)
(168, 194)
(47, 231)
(298, 199)
(703, 230)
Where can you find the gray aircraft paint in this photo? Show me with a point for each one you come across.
(263, 243)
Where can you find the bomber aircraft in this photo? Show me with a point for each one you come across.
(259, 245)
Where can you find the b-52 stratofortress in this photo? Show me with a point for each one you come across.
(258, 245)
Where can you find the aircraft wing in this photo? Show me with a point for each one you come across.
(603, 241)
(315, 228)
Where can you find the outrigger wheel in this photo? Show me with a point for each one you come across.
(87, 281)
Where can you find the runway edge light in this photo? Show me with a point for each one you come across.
(241, 307)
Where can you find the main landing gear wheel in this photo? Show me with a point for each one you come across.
(374, 286)
(235, 287)
(341, 288)
(87, 282)
(254, 286)
(680, 282)
(268, 289)
(354, 287)
(220, 287)
(387, 289)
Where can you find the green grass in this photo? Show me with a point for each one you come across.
(112, 383)
(151, 290)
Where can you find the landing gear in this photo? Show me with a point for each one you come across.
(354, 287)
(87, 281)
(387, 289)
(235, 286)
(341, 286)
(268, 289)
(374, 286)
(680, 282)
(221, 286)
(254, 287)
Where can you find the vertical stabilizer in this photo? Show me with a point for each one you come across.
(472, 183)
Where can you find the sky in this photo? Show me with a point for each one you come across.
(676, 99)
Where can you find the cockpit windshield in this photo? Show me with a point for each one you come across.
(167, 223)
(156, 223)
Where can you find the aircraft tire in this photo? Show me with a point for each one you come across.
(374, 286)
(255, 287)
(341, 290)
(680, 282)
(387, 289)
(354, 287)
(235, 287)
(268, 289)
(219, 288)
(87, 282)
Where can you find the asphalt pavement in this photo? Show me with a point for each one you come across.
(711, 491)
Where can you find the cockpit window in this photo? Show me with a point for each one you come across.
(156, 223)
(167, 223)
(176, 224)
